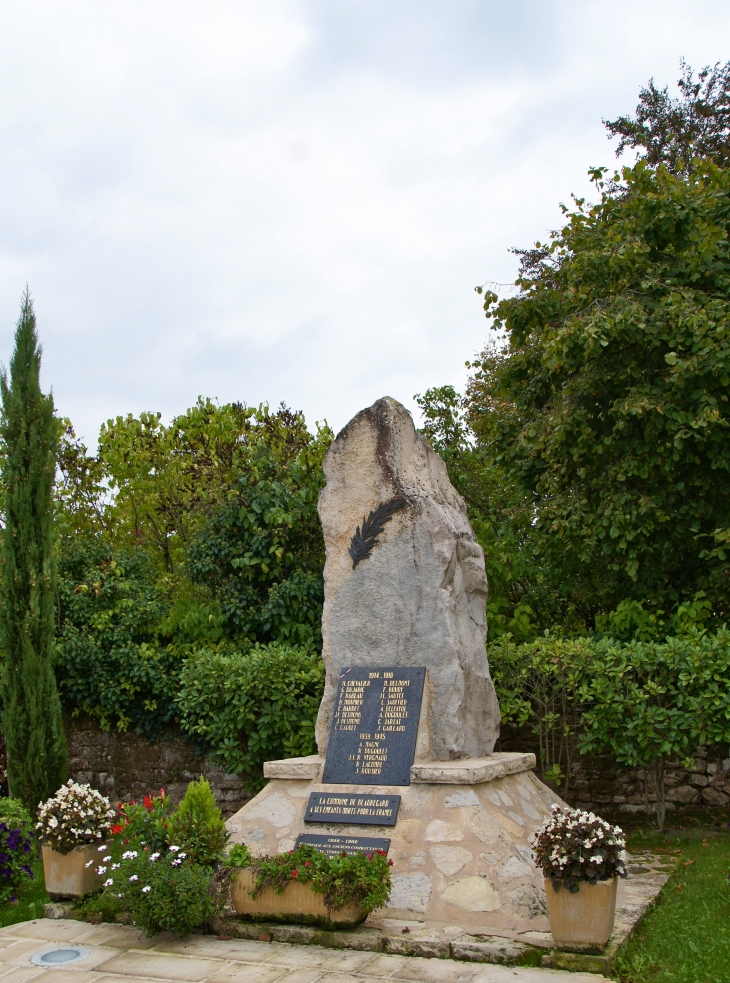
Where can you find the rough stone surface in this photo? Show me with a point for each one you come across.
(242, 952)
(419, 599)
(461, 854)
(599, 783)
(129, 766)
(473, 893)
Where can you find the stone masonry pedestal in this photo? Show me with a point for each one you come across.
(460, 846)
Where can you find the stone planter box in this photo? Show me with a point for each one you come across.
(67, 875)
(582, 921)
(298, 903)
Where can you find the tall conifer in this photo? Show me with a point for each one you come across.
(32, 720)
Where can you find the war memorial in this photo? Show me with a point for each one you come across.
(409, 717)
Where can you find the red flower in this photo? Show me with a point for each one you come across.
(307, 863)
(162, 792)
(370, 856)
(343, 854)
(381, 853)
(117, 828)
(148, 803)
(295, 873)
(390, 863)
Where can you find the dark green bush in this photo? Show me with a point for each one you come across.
(110, 659)
(261, 554)
(252, 706)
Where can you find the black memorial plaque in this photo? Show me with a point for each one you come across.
(374, 727)
(353, 808)
(335, 846)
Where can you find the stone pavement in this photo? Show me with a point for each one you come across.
(119, 954)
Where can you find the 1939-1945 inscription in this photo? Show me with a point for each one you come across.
(335, 846)
(375, 726)
(353, 808)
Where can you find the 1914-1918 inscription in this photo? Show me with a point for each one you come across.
(375, 726)
(335, 846)
(354, 808)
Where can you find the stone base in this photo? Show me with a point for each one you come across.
(460, 848)
(415, 936)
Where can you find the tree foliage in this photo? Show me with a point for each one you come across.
(520, 589)
(261, 553)
(32, 712)
(115, 661)
(608, 406)
(675, 132)
(173, 538)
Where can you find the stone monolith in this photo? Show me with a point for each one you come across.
(416, 595)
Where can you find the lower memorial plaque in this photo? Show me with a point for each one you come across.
(355, 808)
(335, 846)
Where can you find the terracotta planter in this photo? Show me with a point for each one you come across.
(298, 903)
(582, 921)
(67, 875)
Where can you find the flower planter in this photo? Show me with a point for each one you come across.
(582, 921)
(298, 903)
(67, 875)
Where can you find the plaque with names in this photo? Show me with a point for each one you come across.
(335, 846)
(353, 808)
(374, 726)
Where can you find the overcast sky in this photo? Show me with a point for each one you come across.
(294, 200)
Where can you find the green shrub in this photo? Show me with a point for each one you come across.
(647, 702)
(112, 661)
(100, 905)
(359, 878)
(16, 847)
(14, 814)
(644, 702)
(537, 684)
(163, 892)
(252, 706)
(198, 826)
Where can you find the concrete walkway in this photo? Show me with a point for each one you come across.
(119, 954)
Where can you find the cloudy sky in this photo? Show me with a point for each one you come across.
(267, 201)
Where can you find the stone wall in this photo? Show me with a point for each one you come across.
(598, 783)
(126, 766)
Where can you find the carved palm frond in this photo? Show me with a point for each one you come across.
(362, 543)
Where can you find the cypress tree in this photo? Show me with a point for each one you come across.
(32, 720)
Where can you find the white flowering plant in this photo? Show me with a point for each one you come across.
(74, 816)
(163, 890)
(574, 846)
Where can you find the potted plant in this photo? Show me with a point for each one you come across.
(582, 857)
(72, 826)
(307, 886)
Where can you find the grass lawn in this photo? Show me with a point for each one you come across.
(31, 898)
(685, 938)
